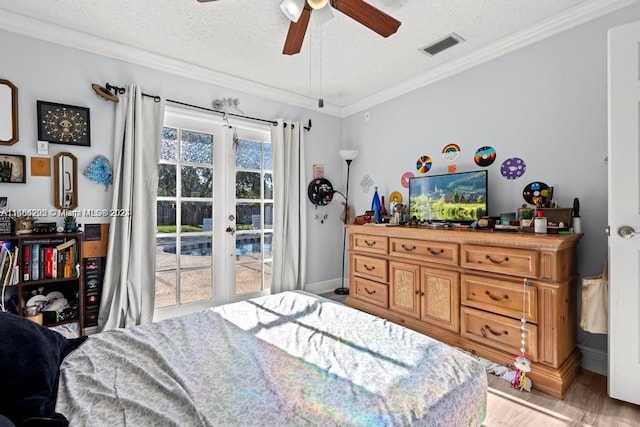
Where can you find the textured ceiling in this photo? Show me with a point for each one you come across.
(239, 42)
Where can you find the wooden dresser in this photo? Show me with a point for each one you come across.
(465, 288)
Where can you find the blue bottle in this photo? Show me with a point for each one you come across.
(376, 206)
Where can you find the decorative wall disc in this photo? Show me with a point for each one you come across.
(536, 193)
(395, 196)
(451, 152)
(513, 168)
(485, 156)
(423, 164)
(405, 179)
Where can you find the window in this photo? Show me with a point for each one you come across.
(254, 215)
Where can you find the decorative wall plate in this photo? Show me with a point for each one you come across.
(513, 168)
(405, 179)
(320, 192)
(536, 193)
(484, 156)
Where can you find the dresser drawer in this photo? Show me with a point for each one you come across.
(425, 250)
(500, 332)
(369, 267)
(500, 296)
(369, 243)
(370, 291)
(518, 262)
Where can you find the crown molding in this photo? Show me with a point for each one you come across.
(30, 27)
(567, 20)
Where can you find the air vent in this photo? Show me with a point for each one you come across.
(442, 44)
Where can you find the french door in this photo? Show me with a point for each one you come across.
(215, 210)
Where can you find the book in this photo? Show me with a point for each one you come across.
(65, 245)
(11, 277)
(67, 265)
(26, 262)
(41, 264)
(48, 262)
(35, 261)
(4, 263)
(54, 263)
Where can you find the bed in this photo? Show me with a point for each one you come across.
(287, 359)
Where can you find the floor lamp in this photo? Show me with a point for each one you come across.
(348, 156)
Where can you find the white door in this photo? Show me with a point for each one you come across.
(624, 211)
(215, 204)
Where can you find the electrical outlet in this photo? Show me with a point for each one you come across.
(367, 116)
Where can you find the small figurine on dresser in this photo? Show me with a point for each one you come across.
(400, 215)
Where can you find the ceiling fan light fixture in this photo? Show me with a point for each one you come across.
(324, 15)
(292, 9)
(317, 4)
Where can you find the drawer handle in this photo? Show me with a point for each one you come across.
(369, 292)
(369, 268)
(368, 243)
(436, 253)
(408, 249)
(495, 298)
(505, 259)
(495, 333)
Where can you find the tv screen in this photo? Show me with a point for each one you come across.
(456, 197)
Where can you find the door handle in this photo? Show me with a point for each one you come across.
(230, 230)
(627, 232)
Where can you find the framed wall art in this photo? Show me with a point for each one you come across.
(13, 168)
(63, 124)
(40, 166)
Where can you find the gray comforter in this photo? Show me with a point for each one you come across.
(287, 359)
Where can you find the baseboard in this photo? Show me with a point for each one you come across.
(324, 287)
(594, 360)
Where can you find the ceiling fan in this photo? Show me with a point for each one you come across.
(358, 10)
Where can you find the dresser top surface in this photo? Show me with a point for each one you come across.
(470, 236)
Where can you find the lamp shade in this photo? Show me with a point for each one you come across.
(323, 15)
(349, 154)
(292, 9)
(317, 4)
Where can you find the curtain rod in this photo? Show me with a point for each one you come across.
(156, 98)
(105, 92)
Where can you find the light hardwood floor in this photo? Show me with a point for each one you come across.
(585, 404)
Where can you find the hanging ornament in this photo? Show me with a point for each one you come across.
(366, 183)
(523, 365)
(99, 170)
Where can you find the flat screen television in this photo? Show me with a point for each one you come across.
(456, 197)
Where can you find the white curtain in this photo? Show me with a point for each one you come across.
(289, 188)
(128, 293)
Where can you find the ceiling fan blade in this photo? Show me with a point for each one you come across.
(205, 1)
(369, 16)
(297, 31)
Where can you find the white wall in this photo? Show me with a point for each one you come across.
(545, 103)
(49, 72)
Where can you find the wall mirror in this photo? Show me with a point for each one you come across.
(65, 181)
(8, 113)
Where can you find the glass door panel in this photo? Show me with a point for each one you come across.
(214, 213)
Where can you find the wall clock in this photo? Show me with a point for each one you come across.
(63, 124)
